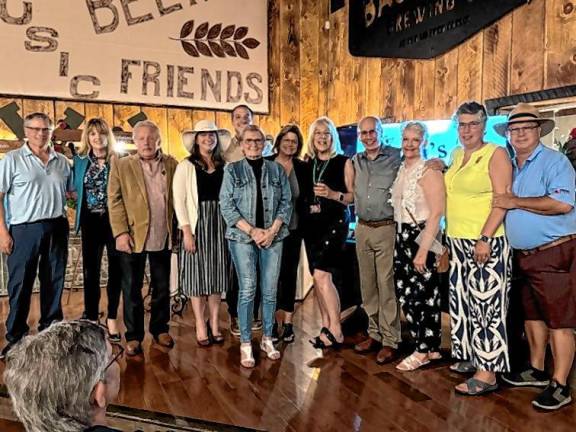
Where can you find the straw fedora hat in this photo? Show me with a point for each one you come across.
(189, 135)
(524, 112)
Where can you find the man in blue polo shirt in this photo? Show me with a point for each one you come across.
(541, 227)
(33, 226)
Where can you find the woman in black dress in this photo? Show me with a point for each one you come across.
(331, 188)
(205, 266)
(287, 147)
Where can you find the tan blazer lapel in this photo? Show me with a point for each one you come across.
(139, 176)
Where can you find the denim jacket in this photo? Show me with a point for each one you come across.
(238, 198)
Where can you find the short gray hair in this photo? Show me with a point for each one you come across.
(472, 107)
(38, 115)
(50, 376)
(416, 125)
(146, 123)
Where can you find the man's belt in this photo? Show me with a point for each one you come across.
(376, 224)
(549, 245)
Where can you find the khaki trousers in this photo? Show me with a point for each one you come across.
(375, 251)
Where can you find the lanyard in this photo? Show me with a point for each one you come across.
(318, 178)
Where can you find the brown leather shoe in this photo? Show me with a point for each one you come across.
(133, 348)
(367, 345)
(165, 340)
(386, 355)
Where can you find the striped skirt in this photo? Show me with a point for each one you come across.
(209, 270)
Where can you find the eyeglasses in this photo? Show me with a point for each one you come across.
(117, 349)
(254, 141)
(117, 353)
(367, 132)
(472, 125)
(39, 130)
(522, 130)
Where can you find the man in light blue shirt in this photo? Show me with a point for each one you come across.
(541, 227)
(33, 226)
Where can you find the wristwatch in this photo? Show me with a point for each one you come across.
(485, 239)
(340, 197)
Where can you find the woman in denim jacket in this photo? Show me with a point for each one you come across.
(255, 201)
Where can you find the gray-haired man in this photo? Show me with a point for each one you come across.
(34, 180)
(80, 377)
(375, 170)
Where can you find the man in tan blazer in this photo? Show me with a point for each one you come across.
(141, 215)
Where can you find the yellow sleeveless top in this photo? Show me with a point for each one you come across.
(469, 194)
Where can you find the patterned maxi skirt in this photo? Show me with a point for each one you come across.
(209, 270)
(417, 293)
(479, 296)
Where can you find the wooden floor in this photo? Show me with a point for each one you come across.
(306, 391)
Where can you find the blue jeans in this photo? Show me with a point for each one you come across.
(247, 258)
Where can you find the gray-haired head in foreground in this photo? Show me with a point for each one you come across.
(50, 376)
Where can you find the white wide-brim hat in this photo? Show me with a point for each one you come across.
(522, 113)
(189, 135)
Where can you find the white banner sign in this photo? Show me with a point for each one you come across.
(192, 53)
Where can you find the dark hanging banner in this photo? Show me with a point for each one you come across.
(419, 29)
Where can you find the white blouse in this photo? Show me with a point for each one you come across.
(408, 194)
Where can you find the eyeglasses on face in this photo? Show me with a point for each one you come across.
(39, 130)
(117, 353)
(470, 125)
(251, 141)
(289, 141)
(521, 130)
(117, 349)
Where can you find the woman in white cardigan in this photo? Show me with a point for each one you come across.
(205, 267)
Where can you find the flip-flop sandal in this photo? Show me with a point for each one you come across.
(411, 363)
(477, 387)
(463, 367)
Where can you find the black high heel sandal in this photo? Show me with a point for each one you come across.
(317, 341)
(215, 339)
(334, 344)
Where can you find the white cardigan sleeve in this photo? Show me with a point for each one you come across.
(179, 189)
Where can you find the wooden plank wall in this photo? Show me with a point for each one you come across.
(312, 74)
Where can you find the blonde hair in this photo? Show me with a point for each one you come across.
(102, 128)
(336, 148)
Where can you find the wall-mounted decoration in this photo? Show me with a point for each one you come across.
(188, 53)
(12, 118)
(419, 29)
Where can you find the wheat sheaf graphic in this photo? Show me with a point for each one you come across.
(216, 40)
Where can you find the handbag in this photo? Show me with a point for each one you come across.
(441, 251)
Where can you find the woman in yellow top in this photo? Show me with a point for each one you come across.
(480, 256)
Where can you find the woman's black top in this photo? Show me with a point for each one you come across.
(331, 173)
(208, 183)
(256, 165)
